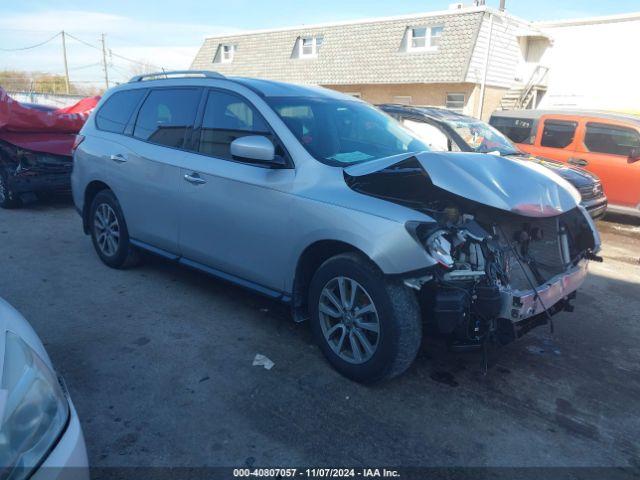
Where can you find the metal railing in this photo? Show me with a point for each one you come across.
(536, 79)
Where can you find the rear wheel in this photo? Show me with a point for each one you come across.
(367, 326)
(109, 232)
(8, 198)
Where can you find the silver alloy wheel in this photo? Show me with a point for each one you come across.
(107, 229)
(349, 320)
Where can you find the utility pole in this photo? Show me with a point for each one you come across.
(104, 62)
(66, 67)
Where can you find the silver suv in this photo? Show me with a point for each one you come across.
(326, 203)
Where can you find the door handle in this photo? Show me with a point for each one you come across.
(579, 162)
(194, 179)
(118, 158)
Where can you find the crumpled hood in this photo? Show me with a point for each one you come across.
(525, 188)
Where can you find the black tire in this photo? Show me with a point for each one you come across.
(398, 312)
(8, 198)
(125, 255)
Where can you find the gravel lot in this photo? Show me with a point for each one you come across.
(158, 361)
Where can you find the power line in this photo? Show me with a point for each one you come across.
(30, 46)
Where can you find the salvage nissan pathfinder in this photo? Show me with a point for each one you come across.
(326, 203)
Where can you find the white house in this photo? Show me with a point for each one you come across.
(593, 63)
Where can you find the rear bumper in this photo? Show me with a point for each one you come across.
(519, 305)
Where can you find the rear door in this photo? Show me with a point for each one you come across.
(604, 149)
(556, 137)
(145, 178)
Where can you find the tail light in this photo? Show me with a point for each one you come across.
(76, 142)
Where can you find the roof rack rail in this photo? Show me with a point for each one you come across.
(175, 73)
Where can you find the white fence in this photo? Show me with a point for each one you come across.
(50, 99)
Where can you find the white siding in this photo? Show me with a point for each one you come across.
(594, 65)
(505, 56)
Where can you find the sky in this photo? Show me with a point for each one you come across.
(168, 34)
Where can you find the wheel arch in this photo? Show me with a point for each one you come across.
(308, 263)
(93, 188)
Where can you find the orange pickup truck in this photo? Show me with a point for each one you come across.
(606, 144)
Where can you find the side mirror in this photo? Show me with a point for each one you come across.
(255, 148)
(634, 154)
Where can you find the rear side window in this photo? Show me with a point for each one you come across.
(116, 112)
(518, 130)
(166, 115)
(604, 138)
(227, 117)
(558, 133)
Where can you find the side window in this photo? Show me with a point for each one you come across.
(435, 139)
(166, 115)
(604, 138)
(114, 115)
(227, 117)
(558, 133)
(518, 130)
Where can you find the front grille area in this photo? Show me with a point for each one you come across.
(590, 192)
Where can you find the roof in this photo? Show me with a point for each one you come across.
(435, 113)
(367, 51)
(574, 22)
(272, 88)
(536, 114)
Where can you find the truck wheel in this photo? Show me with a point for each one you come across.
(368, 326)
(8, 198)
(109, 232)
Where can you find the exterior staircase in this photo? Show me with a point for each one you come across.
(528, 96)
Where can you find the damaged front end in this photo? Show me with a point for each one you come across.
(33, 171)
(509, 248)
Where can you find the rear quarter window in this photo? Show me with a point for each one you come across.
(613, 140)
(114, 115)
(518, 130)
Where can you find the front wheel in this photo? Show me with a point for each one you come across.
(109, 232)
(368, 326)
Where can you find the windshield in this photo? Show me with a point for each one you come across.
(344, 132)
(482, 137)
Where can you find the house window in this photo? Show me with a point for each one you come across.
(455, 102)
(225, 54)
(403, 100)
(424, 38)
(309, 46)
(436, 33)
(418, 38)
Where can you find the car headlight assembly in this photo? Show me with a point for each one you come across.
(33, 409)
(433, 240)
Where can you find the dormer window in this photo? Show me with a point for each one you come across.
(227, 53)
(308, 46)
(423, 38)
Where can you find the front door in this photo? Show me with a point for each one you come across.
(235, 215)
(556, 138)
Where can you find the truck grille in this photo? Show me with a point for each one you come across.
(590, 192)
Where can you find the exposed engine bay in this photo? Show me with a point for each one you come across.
(498, 273)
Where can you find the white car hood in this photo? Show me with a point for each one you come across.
(525, 188)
